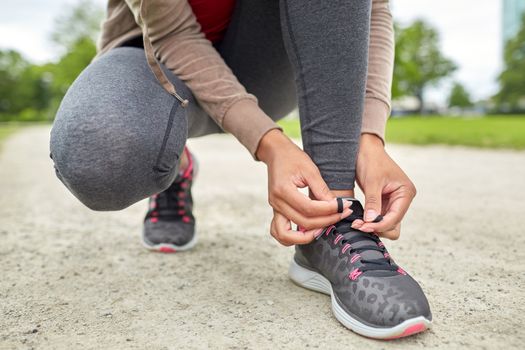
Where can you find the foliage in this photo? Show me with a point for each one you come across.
(418, 61)
(459, 97)
(489, 132)
(80, 22)
(22, 85)
(512, 79)
(33, 92)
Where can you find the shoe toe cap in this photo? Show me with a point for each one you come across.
(385, 301)
(168, 232)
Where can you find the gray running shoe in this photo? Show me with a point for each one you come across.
(371, 295)
(169, 225)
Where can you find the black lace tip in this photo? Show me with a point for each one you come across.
(378, 218)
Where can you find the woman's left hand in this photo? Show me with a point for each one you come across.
(388, 190)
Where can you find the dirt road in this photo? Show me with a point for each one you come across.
(73, 278)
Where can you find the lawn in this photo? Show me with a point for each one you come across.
(487, 132)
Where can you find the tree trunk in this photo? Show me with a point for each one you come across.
(419, 96)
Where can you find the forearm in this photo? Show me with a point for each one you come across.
(380, 70)
(178, 43)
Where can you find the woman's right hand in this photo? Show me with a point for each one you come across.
(290, 168)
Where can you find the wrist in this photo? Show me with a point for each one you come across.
(273, 142)
(370, 142)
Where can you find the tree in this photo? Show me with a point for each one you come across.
(512, 79)
(22, 87)
(418, 61)
(33, 92)
(75, 32)
(459, 97)
(79, 22)
(70, 65)
(12, 64)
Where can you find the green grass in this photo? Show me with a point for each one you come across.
(486, 132)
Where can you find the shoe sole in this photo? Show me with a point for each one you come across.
(314, 281)
(167, 247)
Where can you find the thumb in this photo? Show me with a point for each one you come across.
(318, 187)
(372, 204)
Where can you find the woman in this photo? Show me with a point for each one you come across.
(172, 69)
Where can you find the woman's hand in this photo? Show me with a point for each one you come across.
(289, 168)
(388, 190)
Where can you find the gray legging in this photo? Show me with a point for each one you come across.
(118, 136)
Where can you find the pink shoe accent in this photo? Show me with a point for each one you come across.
(154, 220)
(338, 238)
(354, 274)
(401, 271)
(330, 228)
(346, 247)
(181, 203)
(355, 258)
(189, 168)
(417, 328)
(386, 255)
(186, 219)
(181, 212)
(154, 213)
(380, 245)
(165, 249)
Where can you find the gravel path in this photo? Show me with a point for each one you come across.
(73, 278)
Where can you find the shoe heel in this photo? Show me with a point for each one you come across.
(308, 279)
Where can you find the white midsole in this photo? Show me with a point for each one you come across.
(314, 281)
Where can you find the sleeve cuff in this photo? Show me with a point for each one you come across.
(248, 123)
(375, 115)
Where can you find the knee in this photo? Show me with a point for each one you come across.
(109, 147)
(103, 171)
(94, 184)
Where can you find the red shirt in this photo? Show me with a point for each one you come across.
(213, 16)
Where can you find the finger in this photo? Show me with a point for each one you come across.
(275, 234)
(395, 213)
(372, 202)
(312, 222)
(286, 236)
(391, 234)
(318, 186)
(357, 223)
(311, 207)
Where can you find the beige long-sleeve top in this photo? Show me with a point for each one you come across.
(173, 37)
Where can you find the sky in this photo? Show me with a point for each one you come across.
(470, 32)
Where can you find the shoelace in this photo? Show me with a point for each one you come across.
(347, 243)
(170, 204)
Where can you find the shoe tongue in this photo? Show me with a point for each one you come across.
(344, 227)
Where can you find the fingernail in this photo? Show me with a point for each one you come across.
(346, 213)
(371, 214)
(347, 203)
(378, 218)
(318, 232)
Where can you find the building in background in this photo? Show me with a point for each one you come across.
(513, 10)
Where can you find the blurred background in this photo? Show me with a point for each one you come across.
(459, 67)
